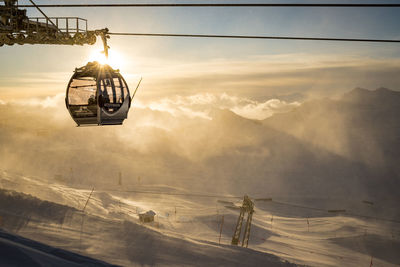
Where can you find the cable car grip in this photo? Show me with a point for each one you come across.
(104, 36)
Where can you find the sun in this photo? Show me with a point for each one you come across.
(115, 60)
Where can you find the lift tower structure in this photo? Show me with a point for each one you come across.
(17, 28)
(247, 207)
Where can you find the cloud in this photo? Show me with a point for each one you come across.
(47, 102)
(53, 107)
(261, 76)
(257, 77)
(226, 153)
(252, 87)
(260, 111)
(200, 105)
(35, 85)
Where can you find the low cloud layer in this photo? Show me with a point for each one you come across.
(321, 147)
(47, 102)
(200, 105)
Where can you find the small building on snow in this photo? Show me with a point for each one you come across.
(147, 216)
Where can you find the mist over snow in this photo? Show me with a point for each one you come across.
(325, 153)
(218, 142)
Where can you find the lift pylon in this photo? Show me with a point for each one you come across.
(247, 207)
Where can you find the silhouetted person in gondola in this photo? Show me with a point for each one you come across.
(92, 100)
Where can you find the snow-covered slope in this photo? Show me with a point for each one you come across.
(109, 228)
(18, 251)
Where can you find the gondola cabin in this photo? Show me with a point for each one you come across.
(97, 95)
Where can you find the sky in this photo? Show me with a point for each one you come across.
(259, 70)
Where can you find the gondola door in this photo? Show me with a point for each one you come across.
(113, 99)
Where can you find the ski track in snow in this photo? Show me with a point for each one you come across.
(109, 230)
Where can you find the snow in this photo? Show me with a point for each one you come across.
(19, 251)
(109, 229)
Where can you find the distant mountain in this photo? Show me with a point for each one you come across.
(381, 96)
(362, 127)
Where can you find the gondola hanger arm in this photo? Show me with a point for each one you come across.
(104, 36)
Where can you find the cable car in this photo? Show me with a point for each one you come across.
(97, 95)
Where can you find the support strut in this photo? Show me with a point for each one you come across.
(104, 36)
(247, 207)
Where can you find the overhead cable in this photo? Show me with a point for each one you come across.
(215, 5)
(256, 37)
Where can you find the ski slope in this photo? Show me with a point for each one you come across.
(186, 228)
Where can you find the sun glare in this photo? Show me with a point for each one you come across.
(115, 60)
